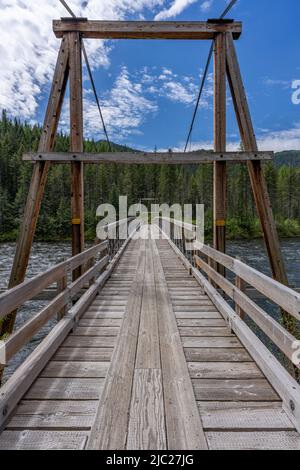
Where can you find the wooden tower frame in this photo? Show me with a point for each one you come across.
(69, 67)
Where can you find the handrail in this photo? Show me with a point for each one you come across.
(13, 298)
(20, 381)
(27, 331)
(274, 330)
(283, 296)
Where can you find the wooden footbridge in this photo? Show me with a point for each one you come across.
(150, 356)
(154, 347)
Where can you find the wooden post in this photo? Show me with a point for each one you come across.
(259, 186)
(241, 285)
(220, 145)
(39, 177)
(76, 145)
(61, 286)
(258, 182)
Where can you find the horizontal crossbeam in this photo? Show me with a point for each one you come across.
(146, 29)
(159, 158)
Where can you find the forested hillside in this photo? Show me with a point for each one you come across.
(168, 184)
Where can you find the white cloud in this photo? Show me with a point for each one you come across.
(178, 89)
(124, 109)
(286, 139)
(175, 9)
(28, 48)
(285, 84)
(177, 92)
(277, 141)
(206, 6)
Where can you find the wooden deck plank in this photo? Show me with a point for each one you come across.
(111, 420)
(100, 322)
(65, 389)
(279, 440)
(43, 440)
(210, 342)
(204, 322)
(102, 315)
(234, 390)
(250, 416)
(224, 370)
(210, 313)
(83, 354)
(186, 331)
(146, 429)
(184, 428)
(90, 341)
(96, 331)
(148, 352)
(59, 415)
(75, 369)
(216, 355)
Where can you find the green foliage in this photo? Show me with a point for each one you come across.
(166, 184)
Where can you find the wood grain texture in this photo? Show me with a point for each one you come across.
(75, 369)
(90, 341)
(220, 169)
(224, 370)
(279, 440)
(258, 182)
(146, 29)
(250, 416)
(111, 420)
(43, 440)
(210, 342)
(234, 390)
(139, 158)
(148, 352)
(76, 144)
(146, 428)
(204, 331)
(217, 355)
(92, 331)
(65, 389)
(184, 428)
(54, 415)
(83, 354)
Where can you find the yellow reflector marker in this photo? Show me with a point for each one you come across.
(76, 221)
(220, 223)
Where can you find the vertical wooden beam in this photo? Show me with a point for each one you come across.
(258, 182)
(39, 177)
(241, 285)
(76, 145)
(61, 286)
(220, 145)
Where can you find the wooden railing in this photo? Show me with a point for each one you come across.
(66, 293)
(284, 297)
(92, 263)
(214, 284)
(69, 304)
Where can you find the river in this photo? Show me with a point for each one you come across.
(45, 255)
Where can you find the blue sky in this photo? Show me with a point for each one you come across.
(148, 88)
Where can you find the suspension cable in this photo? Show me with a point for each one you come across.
(64, 3)
(227, 9)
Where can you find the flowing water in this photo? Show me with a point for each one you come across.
(45, 255)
